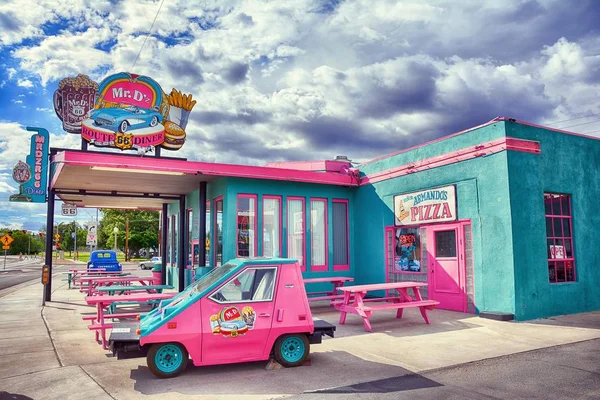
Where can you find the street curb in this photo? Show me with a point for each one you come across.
(12, 289)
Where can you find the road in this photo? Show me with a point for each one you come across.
(17, 272)
(563, 372)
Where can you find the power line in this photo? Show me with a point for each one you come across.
(148, 34)
(573, 119)
(584, 123)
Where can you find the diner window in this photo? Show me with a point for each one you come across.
(190, 246)
(208, 239)
(296, 244)
(254, 284)
(167, 232)
(271, 214)
(407, 251)
(559, 238)
(246, 225)
(218, 231)
(339, 227)
(318, 235)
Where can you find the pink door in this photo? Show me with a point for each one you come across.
(446, 270)
(237, 318)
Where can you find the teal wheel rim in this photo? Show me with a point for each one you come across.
(293, 349)
(168, 358)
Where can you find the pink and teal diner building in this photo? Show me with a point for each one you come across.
(500, 219)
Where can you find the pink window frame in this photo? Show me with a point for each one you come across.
(554, 237)
(324, 267)
(303, 200)
(395, 243)
(343, 267)
(189, 215)
(215, 231)
(237, 205)
(172, 239)
(271, 197)
(211, 239)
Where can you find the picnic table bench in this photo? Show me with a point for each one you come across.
(333, 294)
(399, 303)
(119, 290)
(101, 302)
(94, 282)
(73, 274)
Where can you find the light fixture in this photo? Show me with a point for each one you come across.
(136, 170)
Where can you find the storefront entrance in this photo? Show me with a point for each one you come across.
(446, 269)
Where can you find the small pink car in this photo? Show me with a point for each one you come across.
(246, 310)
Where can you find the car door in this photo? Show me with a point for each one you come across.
(237, 316)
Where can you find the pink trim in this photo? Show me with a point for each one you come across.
(57, 172)
(547, 128)
(215, 231)
(324, 267)
(278, 198)
(563, 238)
(174, 225)
(432, 141)
(395, 243)
(255, 224)
(207, 169)
(320, 165)
(344, 267)
(288, 199)
(188, 233)
(483, 149)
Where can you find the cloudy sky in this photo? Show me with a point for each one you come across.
(304, 79)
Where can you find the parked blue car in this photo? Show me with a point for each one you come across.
(104, 260)
(127, 118)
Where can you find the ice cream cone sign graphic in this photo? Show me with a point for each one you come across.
(401, 213)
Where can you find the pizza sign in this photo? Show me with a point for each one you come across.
(426, 206)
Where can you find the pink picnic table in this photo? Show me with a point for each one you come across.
(404, 300)
(336, 281)
(102, 302)
(95, 281)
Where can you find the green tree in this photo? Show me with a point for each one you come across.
(143, 229)
(23, 242)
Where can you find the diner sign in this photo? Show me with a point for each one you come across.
(426, 206)
(124, 111)
(32, 175)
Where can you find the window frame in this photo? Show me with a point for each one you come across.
(256, 267)
(393, 229)
(215, 230)
(273, 197)
(173, 239)
(255, 225)
(342, 267)
(287, 204)
(554, 238)
(325, 266)
(189, 216)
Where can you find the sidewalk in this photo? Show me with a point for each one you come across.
(48, 353)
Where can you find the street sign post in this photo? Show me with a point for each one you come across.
(6, 241)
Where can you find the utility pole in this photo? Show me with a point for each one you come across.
(75, 245)
(127, 239)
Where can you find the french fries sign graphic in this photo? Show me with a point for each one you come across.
(130, 112)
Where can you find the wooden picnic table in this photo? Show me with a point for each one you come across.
(102, 302)
(94, 281)
(113, 289)
(404, 300)
(337, 281)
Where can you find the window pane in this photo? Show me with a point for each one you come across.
(208, 238)
(445, 243)
(560, 272)
(175, 243)
(340, 233)
(271, 227)
(570, 271)
(190, 224)
(557, 227)
(407, 253)
(295, 230)
(566, 227)
(317, 231)
(246, 223)
(219, 232)
(238, 289)
(551, 272)
(556, 206)
(565, 205)
(547, 205)
(264, 285)
(550, 248)
(549, 232)
(568, 248)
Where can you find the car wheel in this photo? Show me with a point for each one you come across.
(167, 360)
(291, 350)
(123, 126)
(154, 121)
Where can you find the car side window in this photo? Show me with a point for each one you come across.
(255, 284)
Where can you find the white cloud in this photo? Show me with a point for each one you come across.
(26, 83)
(17, 101)
(11, 72)
(43, 109)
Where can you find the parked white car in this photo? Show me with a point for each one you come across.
(150, 263)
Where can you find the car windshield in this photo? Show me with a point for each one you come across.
(212, 277)
(133, 109)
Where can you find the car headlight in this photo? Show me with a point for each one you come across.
(91, 266)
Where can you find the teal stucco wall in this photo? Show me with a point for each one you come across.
(568, 164)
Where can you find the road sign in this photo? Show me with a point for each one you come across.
(6, 239)
(5, 247)
(69, 209)
(57, 237)
(92, 238)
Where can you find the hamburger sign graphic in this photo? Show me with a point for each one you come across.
(130, 112)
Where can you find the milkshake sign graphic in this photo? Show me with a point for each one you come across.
(426, 206)
(126, 111)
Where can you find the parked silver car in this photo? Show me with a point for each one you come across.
(150, 263)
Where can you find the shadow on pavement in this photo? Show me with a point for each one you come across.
(346, 370)
(10, 396)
